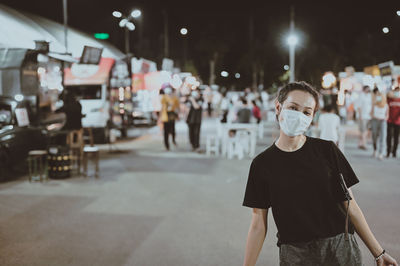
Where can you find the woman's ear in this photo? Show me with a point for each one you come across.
(277, 107)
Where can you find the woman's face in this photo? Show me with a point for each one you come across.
(297, 100)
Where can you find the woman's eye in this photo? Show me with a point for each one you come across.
(307, 113)
(293, 108)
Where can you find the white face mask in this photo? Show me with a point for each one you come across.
(294, 123)
(378, 98)
(168, 90)
(397, 94)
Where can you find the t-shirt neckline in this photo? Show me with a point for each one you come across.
(292, 152)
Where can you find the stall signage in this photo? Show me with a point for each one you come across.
(22, 117)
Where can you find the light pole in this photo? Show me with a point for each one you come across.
(127, 24)
(65, 15)
(184, 32)
(292, 41)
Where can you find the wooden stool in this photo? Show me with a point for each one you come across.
(37, 162)
(76, 144)
(91, 152)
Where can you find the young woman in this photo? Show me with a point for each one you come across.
(379, 115)
(299, 178)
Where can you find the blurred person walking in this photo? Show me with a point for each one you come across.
(169, 113)
(256, 111)
(329, 124)
(208, 95)
(379, 114)
(264, 100)
(364, 107)
(73, 112)
(224, 107)
(194, 118)
(303, 180)
(244, 113)
(393, 122)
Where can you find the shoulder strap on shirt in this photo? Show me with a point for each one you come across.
(345, 191)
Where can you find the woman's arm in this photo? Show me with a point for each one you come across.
(256, 236)
(365, 233)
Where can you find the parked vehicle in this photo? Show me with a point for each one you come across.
(16, 138)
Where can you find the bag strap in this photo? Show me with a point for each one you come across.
(346, 194)
(348, 197)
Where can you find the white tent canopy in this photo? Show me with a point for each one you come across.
(21, 30)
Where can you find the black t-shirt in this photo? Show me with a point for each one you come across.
(73, 113)
(302, 188)
(194, 116)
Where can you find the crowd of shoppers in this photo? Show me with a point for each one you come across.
(237, 107)
(378, 114)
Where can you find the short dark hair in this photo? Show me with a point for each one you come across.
(298, 86)
(244, 101)
(328, 108)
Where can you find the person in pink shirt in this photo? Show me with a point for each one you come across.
(393, 122)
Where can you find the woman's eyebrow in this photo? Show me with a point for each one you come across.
(300, 105)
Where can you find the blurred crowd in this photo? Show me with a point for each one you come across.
(228, 107)
(377, 114)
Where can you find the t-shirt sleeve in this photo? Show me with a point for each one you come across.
(350, 178)
(256, 194)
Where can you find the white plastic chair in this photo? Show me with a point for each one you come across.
(243, 136)
(235, 148)
(212, 145)
(261, 130)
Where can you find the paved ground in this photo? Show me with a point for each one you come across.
(152, 207)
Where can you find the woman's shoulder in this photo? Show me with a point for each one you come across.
(267, 155)
(320, 143)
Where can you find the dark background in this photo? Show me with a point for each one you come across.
(334, 34)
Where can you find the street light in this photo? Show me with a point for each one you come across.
(136, 13)
(385, 30)
(398, 13)
(286, 67)
(184, 31)
(130, 26)
(237, 75)
(224, 74)
(127, 24)
(117, 14)
(292, 41)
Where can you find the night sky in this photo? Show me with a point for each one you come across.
(334, 34)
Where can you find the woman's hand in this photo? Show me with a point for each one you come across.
(386, 260)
